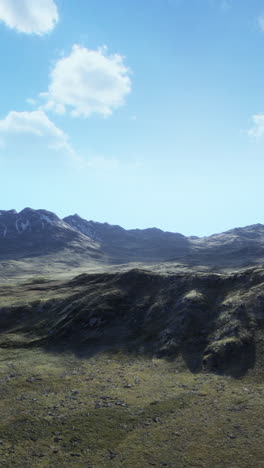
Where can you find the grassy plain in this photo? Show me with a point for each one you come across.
(95, 407)
(117, 410)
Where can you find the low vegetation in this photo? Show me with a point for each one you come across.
(114, 409)
(133, 369)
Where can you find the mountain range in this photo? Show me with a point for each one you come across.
(73, 241)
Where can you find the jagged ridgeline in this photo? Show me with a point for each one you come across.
(39, 237)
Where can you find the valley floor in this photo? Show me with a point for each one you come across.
(108, 410)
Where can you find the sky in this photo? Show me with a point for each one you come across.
(140, 113)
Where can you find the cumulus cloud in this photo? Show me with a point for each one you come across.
(29, 16)
(35, 123)
(88, 82)
(258, 130)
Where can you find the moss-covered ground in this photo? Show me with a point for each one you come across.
(108, 410)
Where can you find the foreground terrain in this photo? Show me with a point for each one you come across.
(129, 348)
(133, 368)
(118, 410)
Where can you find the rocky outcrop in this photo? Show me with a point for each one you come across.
(208, 321)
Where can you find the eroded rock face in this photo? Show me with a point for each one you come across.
(231, 355)
(209, 321)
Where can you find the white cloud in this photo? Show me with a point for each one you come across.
(35, 123)
(258, 130)
(260, 20)
(29, 16)
(225, 5)
(88, 82)
(31, 102)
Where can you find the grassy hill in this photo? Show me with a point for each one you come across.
(133, 369)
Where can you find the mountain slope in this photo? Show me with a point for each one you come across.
(238, 248)
(149, 245)
(38, 232)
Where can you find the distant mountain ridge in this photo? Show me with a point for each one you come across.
(131, 245)
(35, 232)
(40, 232)
(13, 223)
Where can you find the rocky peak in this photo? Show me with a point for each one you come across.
(87, 228)
(29, 221)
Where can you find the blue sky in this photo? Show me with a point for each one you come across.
(136, 112)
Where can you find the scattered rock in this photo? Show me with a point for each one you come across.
(112, 454)
(156, 420)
